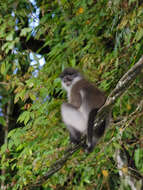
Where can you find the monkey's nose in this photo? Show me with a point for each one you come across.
(68, 83)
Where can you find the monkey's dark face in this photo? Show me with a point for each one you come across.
(69, 76)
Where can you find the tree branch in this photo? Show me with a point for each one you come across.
(123, 84)
(57, 165)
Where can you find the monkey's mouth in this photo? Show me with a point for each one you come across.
(68, 83)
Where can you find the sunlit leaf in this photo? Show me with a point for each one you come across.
(105, 173)
(25, 31)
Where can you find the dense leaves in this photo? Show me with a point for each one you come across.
(101, 38)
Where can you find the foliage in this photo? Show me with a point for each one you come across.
(103, 39)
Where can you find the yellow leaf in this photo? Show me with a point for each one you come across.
(120, 129)
(80, 10)
(128, 106)
(123, 23)
(8, 77)
(28, 172)
(105, 173)
(125, 170)
(88, 22)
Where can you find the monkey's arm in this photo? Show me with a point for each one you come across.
(75, 98)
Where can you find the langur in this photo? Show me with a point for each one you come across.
(78, 114)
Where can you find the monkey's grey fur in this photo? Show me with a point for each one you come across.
(79, 113)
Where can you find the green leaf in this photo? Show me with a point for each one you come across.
(131, 1)
(73, 62)
(139, 35)
(24, 117)
(25, 31)
(10, 36)
(3, 68)
(2, 121)
(32, 96)
(8, 46)
(137, 157)
(3, 148)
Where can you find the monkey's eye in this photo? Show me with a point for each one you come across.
(70, 73)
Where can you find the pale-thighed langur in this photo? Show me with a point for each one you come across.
(84, 100)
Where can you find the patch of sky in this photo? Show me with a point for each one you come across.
(37, 61)
(33, 23)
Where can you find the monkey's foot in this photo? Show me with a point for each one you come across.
(89, 148)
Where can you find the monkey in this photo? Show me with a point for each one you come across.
(78, 114)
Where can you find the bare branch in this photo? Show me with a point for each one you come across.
(3, 83)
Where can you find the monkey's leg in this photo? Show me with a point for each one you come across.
(99, 131)
(97, 134)
(74, 121)
(91, 139)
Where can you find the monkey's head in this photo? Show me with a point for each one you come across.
(69, 76)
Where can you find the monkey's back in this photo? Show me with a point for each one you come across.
(84, 91)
